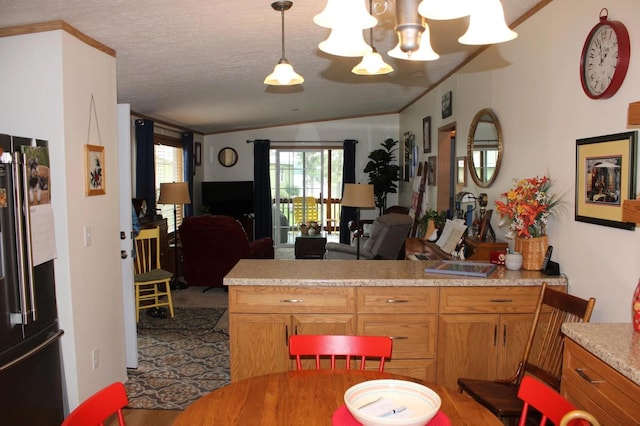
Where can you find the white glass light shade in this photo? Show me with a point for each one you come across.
(487, 25)
(344, 41)
(345, 13)
(283, 75)
(372, 64)
(424, 53)
(445, 9)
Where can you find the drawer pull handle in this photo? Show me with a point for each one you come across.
(585, 376)
(291, 300)
(397, 300)
(399, 337)
(501, 300)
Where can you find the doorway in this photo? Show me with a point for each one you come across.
(446, 168)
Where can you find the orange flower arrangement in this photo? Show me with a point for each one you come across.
(528, 207)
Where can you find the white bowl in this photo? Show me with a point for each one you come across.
(421, 403)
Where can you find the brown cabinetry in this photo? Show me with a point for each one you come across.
(481, 250)
(408, 316)
(596, 387)
(262, 318)
(482, 331)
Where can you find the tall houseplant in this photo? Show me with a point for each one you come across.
(382, 173)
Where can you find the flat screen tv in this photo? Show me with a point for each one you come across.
(232, 198)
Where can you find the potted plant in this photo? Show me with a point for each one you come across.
(382, 173)
(438, 218)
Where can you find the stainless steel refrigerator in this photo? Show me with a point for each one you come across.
(31, 379)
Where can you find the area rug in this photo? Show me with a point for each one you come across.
(179, 360)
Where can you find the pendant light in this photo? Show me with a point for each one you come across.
(445, 9)
(424, 53)
(487, 25)
(345, 41)
(283, 73)
(372, 63)
(345, 13)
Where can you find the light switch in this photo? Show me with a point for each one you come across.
(87, 236)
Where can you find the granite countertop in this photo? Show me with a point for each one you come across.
(359, 273)
(616, 344)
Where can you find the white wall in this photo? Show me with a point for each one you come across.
(533, 86)
(47, 80)
(370, 132)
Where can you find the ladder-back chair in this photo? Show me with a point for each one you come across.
(305, 209)
(542, 355)
(99, 407)
(152, 283)
(334, 347)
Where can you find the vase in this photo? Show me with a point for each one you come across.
(635, 306)
(533, 251)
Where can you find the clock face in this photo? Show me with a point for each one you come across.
(601, 60)
(605, 59)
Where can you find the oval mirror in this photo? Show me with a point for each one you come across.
(228, 156)
(484, 148)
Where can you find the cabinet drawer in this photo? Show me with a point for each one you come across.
(414, 335)
(468, 300)
(267, 299)
(397, 299)
(590, 377)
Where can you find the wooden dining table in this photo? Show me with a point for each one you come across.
(310, 398)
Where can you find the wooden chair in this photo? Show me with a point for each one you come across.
(99, 407)
(550, 405)
(542, 354)
(337, 346)
(152, 283)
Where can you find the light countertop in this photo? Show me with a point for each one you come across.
(358, 273)
(616, 344)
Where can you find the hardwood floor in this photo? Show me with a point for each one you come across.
(134, 417)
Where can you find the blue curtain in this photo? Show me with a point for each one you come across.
(145, 167)
(261, 189)
(348, 176)
(189, 168)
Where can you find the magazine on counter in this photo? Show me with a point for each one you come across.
(462, 267)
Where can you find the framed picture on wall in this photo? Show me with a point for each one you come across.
(605, 176)
(447, 104)
(431, 177)
(94, 170)
(426, 134)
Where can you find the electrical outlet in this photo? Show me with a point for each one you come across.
(94, 358)
(87, 235)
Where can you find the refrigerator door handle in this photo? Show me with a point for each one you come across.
(27, 224)
(23, 316)
(55, 336)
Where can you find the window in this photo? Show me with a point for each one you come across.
(169, 167)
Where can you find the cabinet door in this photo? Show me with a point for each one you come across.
(414, 335)
(513, 334)
(321, 324)
(258, 344)
(466, 347)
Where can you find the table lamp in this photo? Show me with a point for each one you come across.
(359, 196)
(175, 193)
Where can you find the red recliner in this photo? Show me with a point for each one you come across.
(212, 245)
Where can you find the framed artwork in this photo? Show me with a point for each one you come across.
(94, 170)
(461, 171)
(605, 176)
(406, 156)
(431, 176)
(197, 154)
(447, 104)
(426, 135)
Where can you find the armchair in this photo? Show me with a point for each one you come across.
(385, 240)
(212, 245)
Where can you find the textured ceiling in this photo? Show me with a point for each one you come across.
(200, 64)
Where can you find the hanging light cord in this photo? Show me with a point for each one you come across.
(282, 15)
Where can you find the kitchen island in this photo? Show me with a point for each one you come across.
(443, 326)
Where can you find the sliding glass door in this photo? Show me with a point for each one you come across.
(306, 185)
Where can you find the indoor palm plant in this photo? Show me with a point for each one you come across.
(526, 212)
(382, 173)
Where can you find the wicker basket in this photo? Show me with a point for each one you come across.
(533, 251)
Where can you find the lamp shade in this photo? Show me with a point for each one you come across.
(372, 64)
(487, 25)
(345, 41)
(174, 193)
(358, 195)
(345, 13)
(283, 75)
(445, 9)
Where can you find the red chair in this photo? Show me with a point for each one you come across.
(99, 407)
(551, 405)
(335, 346)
